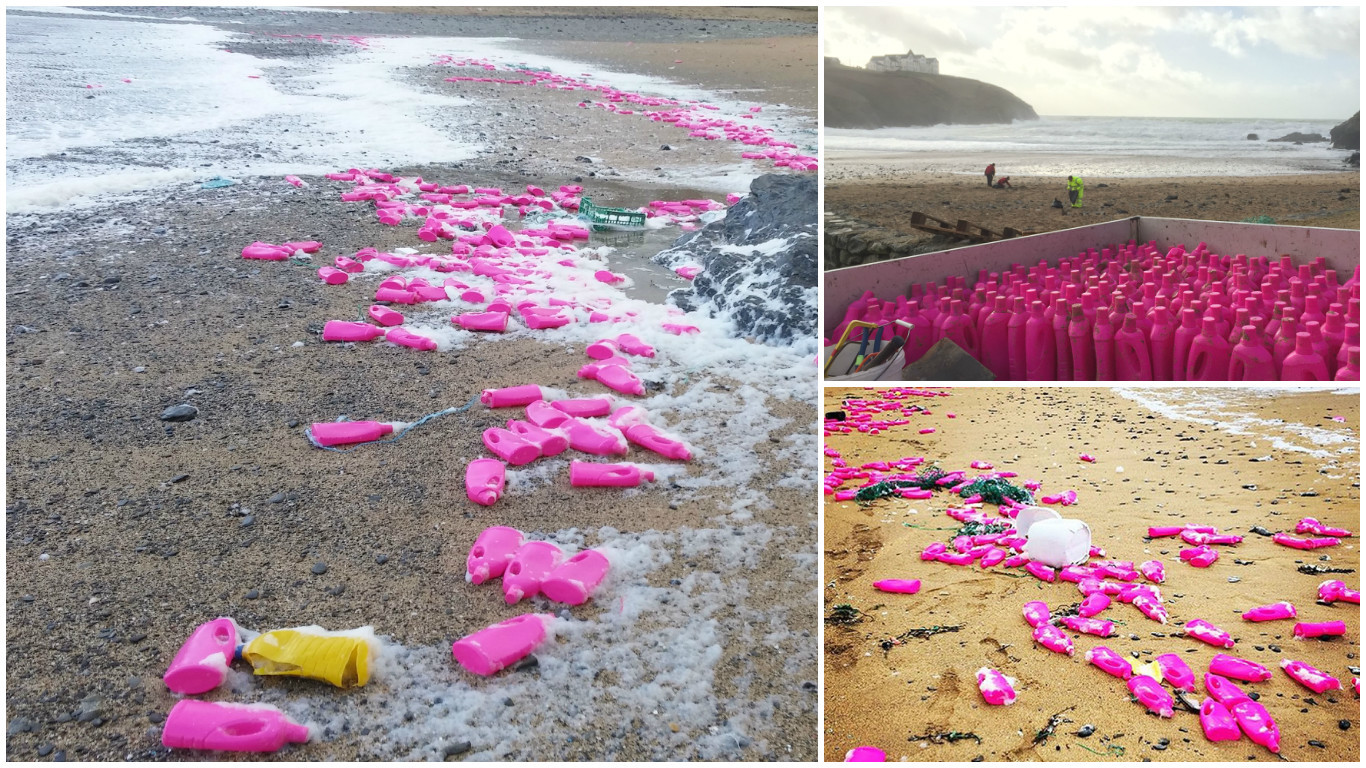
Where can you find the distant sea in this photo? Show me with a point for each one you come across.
(1110, 146)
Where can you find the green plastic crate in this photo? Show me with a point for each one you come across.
(610, 218)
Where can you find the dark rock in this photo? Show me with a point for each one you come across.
(381, 559)
(253, 594)
(45, 749)
(182, 412)
(759, 261)
(1302, 138)
(1252, 137)
(1086, 730)
(1347, 134)
(455, 748)
(665, 148)
(319, 569)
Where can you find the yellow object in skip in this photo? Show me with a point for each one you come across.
(339, 658)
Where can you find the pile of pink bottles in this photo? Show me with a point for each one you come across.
(1137, 313)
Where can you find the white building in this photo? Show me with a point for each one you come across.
(911, 62)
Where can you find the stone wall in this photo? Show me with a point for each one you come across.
(850, 242)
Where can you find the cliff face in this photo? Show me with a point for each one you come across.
(1347, 135)
(857, 98)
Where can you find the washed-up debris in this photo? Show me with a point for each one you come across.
(946, 737)
(844, 613)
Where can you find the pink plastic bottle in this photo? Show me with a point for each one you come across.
(1062, 342)
(589, 439)
(584, 406)
(343, 330)
(1271, 612)
(333, 276)
(1181, 343)
(348, 265)
(201, 664)
(382, 315)
(1110, 662)
(1304, 364)
(549, 443)
(1053, 639)
(1162, 341)
(1222, 689)
(494, 648)
(1311, 678)
(959, 329)
(865, 755)
(1256, 722)
(588, 475)
(899, 586)
(574, 580)
(1035, 612)
(1016, 328)
(1132, 360)
(492, 551)
(995, 687)
(1209, 355)
(634, 346)
(484, 481)
(1151, 694)
(1176, 673)
(1238, 669)
(510, 447)
(1040, 356)
(406, 338)
(1284, 342)
(996, 340)
(1206, 632)
(529, 568)
(1103, 334)
(1352, 370)
(494, 322)
(1251, 360)
(619, 378)
(648, 436)
(330, 433)
(1320, 629)
(193, 724)
(1218, 722)
(511, 396)
(1082, 347)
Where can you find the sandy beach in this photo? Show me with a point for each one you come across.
(124, 531)
(1232, 459)
(886, 196)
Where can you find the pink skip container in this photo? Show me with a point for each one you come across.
(201, 664)
(899, 586)
(193, 724)
(510, 396)
(493, 648)
(575, 579)
(584, 474)
(510, 447)
(492, 551)
(529, 568)
(345, 330)
(384, 316)
(549, 443)
(1218, 722)
(330, 433)
(484, 481)
(995, 687)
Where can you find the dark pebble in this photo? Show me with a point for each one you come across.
(1319, 744)
(1345, 725)
(292, 423)
(530, 662)
(247, 521)
(1254, 695)
(45, 749)
(1275, 648)
(457, 748)
(180, 478)
(277, 498)
(978, 759)
(60, 757)
(155, 718)
(137, 638)
(1164, 741)
(1260, 647)
(381, 559)
(182, 412)
(319, 569)
(1086, 730)
(507, 702)
(1160, 747)
(253, 594)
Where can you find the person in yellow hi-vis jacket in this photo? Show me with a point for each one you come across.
(1074, 190)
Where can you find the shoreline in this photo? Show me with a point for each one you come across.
(1150, 470)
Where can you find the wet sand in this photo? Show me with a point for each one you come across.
(124, 532)
(887, 196)
(1174, 472)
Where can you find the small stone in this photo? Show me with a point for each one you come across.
(1086, 730)
(247, 521)
(45, 749)
(1234, 579)
(319, 569)
(457, 748)
(155, 718)
(1160, 747)
(182, 412)
(1344, 725)
(180, 478)
(1254, 696)
(253, 594)
(665, 148)
(1319, 744)
(292, 423)
(381, 559)
(277, 498)
(529, 662)
(139, 369)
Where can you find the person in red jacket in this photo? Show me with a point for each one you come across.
(1003, 182)
(990, 172)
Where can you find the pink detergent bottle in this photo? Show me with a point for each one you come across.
(492, 551)
(329, 433)
(584, 406)
(406, 338)
(202, 662)
(1083, 349)
(1015, 339)
(865, 755)
(585, 437)
(1176, 673)
(620, 379)
(343, 330)
(1304, 364)
(1284, 342)
(1251, 360)
(1352, 370)
(1218, 722)
(1210, 354)
(511, 396)
(512, 448)
(634, 346)
(995, 340)
(544, 415)
(574, 580)
(1132, 361)
(1103, 335)
(1040, 357)
(650, 437)
(898, 586)
(920, 336)
(193, 724)
(959, 329)
(1161, 345)
(1256, 722)
(529, 569)
(484, 481)
(494, 648)
(493, 322)
(382, 315)
(549, 443)
(584, 474)
(1181, 343)
(1062, 342)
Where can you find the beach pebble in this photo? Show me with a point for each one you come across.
(1345, 725)
(182, 412)
(319, 569)
(247, 521)
(277, 498)
(140, 369)
(253, 594)
(45, 749)
(456, 748)
(381, 559)
(1086, 730)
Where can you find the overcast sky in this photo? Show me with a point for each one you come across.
(1270, 62)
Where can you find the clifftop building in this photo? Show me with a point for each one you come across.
(911, 62)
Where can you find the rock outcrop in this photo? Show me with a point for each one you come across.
(1302, 138)
(1347, 134)
(857, 98)
(759, 261)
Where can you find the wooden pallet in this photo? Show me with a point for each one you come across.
(962, 229)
